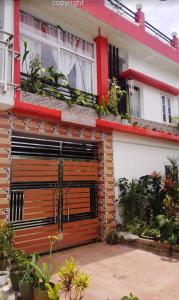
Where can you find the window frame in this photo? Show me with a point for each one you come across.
(166, 97)
(60, 47)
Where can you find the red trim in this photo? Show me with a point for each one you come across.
(136, 130)
(102, 67)
(133, 74)
(43, 112)
(53, 114)
(17, 49)
(107, 16)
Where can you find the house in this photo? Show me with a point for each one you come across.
(59, 163)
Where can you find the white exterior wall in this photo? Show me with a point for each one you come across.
(136, 156)
(155, 68)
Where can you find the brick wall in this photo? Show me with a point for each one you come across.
(34, 125)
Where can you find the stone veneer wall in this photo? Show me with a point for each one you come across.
(35, 125)
(5, 159)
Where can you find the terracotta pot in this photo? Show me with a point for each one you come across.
(26, 291)
(40, 294)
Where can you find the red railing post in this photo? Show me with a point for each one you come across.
(102, 67)
(175, 41)
(140, 16)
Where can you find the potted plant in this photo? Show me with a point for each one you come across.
(44, 274)
(17, 271)
(112, 237)
(151, 233)
(125, 119)
(29, 279)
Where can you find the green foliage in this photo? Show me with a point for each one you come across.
(169, 228)
(73, 282)
(53, 291)
(152, 185)
(131, 199)
(135, 227)
(26, 53)
(112, 99)
(6, 247)
(130, 297)
(151, 232)
(112, 237)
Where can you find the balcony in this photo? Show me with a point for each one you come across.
(56, 91)
(8, 55)
(130, 15)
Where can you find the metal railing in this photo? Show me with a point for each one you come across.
(7, 60)
(120, 7)
(124, 10)
(60, 92)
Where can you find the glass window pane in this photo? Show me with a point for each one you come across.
(71, 78)
(49, 56)
(1, 14)
(135, 103)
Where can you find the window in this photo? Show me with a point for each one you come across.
(64, 51)
(135, 106)
(166, 109)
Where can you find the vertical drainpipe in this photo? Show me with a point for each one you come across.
(16, 49)
(102, 67)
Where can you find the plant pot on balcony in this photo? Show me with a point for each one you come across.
(125, 121)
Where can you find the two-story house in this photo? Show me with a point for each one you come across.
(59, 162)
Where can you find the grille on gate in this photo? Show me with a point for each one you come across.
(30, 146)
(16, 206)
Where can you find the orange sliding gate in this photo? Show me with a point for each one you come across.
(54, 191)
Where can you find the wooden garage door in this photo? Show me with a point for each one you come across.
(33, 204)
(51, 194)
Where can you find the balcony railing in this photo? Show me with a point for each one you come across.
(59, 92)
(125, 11)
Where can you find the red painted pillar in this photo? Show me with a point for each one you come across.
(140, 17)
(17, 49)
(102, 67)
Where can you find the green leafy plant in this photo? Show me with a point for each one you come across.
(169, 229)
(45, 271)
(53, 291)
(130, 297)
(151, 232)
(112, 237)
(73, 282)
(131, 200)
(6, 247)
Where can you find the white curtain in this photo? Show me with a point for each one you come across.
(84, 75)
(67, 62)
